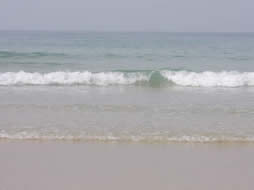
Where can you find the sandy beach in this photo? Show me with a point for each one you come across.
(59, 165)
(127, 95)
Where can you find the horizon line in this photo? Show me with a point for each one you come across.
(118, 31)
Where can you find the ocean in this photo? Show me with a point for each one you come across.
(127, 87)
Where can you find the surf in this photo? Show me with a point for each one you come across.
(155, 78)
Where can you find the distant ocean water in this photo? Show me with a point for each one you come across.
(127, 87)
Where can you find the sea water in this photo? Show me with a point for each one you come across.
(127, 87)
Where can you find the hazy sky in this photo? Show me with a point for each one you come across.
(129, 15)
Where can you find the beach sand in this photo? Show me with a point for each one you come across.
(66, 166)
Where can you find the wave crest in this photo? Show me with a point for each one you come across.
(71, 78)
(210, 79)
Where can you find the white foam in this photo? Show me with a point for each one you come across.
(37, 136)
(210, 79)
(182, 78)
(69, 78)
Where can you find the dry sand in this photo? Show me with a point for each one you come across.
(66, 166)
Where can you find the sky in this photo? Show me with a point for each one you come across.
(128, 15)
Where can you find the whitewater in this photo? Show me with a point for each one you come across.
(181, 78)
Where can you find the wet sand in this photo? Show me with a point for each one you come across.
(66, 166)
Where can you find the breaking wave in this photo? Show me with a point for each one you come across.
(156, 78)
(71, 78)
(210, 79)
